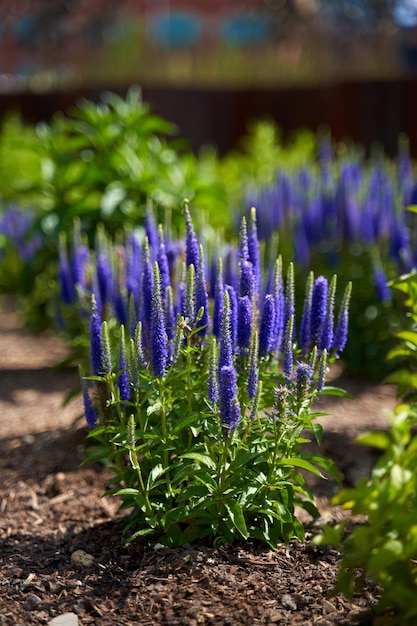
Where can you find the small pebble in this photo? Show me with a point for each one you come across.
(328, 607)
(287, 602)
(32, 602)
(66, 619)
(82, 559)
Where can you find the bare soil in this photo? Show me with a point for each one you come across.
(51, 508)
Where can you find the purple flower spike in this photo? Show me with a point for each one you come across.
(123, 377)
(218, 299)
(341, 332)
(96, 341)
(246, 280)
(382, 289)
(163, 262)
(66, 284)
(253, 246)
(151, 231)
(202, 296)
(267, 328)
(89, 411)
(226, 345)
(104, 277)
(304, 377)
(233, 313)
(304, 341)
(318, 309)
(327, 334)
(288, 357)
(192, 253)
(158, 340)
(243, 249)
(212, 383)
(278, 291)
(229, 404)
(244, 322)
(146, 288)
(253, 368)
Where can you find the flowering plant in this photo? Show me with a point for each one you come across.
(200, 401)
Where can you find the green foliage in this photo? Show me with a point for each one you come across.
(385, 547)
(179, 470)
(105, 162)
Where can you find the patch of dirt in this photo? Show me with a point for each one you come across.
(51, 508)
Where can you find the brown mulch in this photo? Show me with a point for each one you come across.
(51, 508)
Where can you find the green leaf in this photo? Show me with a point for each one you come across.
(408, 335)
(384, 556)
(376, 439)
(303, 464)
(328, 390)
(236, 515)
(154, 408)
(127, 491)
(318, 431)
(200, 458)
(186, 421)
(193, 491)
(403, 377)
(154, 474)
(331, 536)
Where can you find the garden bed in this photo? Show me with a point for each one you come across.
(51, 508)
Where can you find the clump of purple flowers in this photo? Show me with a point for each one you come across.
(247, 329)
(202, 381)
(17, 225)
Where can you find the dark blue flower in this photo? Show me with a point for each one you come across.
(327, 333)
(89, 411)
(104, 277)
(158, 339)
(253, 247)
(246, 280)
(303, 379)
(163, 262)
(381, 286)
(96, 341)
(218, 299)
(253, 367)
(267, 333)
(244, 322)
(318, 309)
(201, 296)
(229, 404)
(192, 253)
(304, 339)
(151, 230)
(226, 342)
(341, 332)
(65, 278)
(146, 288)
(123, 380)
(233, 312)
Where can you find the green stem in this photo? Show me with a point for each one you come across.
(136, 464)
(164, 433)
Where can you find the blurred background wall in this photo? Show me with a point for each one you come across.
(211, 66)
